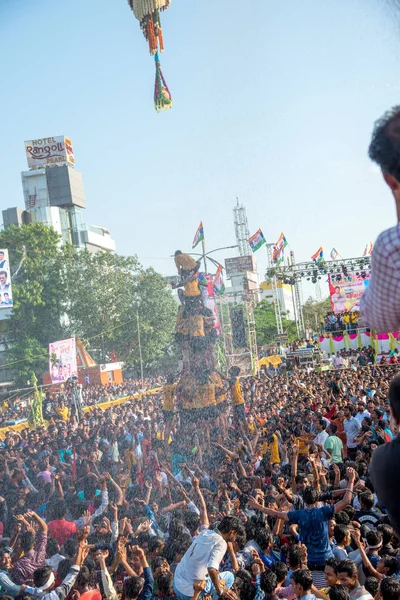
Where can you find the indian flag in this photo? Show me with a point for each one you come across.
(368, 249)
(199, 236)
(319, 255)
(218, 283)
(279, 248)
(257, 240)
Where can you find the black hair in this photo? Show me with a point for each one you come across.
(294, 556)
(366, 500)
(268, 582)
(133, 587)
(390, 563)
(64, 567)
(372, 585)
(349, 567)
(310, 495)
(342, 518)
(338, 592)
(229, 524)
(51, 547)
(374, 538)
(304, 578)
(387, 533)
(27, 541)
(165, 584)
(340, 533)
(263, 538)
(280, 570)
(41, 576)
(333, 563)
(390, 588)
(333, 428)
(155, 543)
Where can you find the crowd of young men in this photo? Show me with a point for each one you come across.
(279, 503)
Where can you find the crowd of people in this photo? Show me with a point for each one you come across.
(280, 504)
(340, 322)
(58, 398)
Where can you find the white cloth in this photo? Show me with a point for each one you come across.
(321, 438)
(206, 552)
(351, 428)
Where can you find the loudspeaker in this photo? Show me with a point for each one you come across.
(239, 337)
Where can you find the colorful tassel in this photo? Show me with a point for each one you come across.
(162, 95)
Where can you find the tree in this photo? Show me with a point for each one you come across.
(59, 292)
(314, 312)
(37, 297)
(110, 298)
(264, 316)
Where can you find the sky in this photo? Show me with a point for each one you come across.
(273, 103)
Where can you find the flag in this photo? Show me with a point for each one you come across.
(368, 249)
(279, 248)
(319, 255)
(199, 236)
(257, 240)
(218, 283)
(334, 254)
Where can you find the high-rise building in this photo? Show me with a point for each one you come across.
(53, 195)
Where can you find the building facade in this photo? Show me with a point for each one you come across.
(53, 195)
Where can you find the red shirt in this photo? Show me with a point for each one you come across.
(61, 530)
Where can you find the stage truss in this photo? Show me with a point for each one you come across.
(292, 274)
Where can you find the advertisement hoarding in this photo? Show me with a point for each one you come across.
(62, 360)
(48, 152)
(346, 293)
(6, 298)
(239, 264)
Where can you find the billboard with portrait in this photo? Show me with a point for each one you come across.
(62, 360)
(6, 298)
(346, 292)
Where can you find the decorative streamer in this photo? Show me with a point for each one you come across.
(148, 14)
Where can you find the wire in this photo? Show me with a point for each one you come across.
(45, 353)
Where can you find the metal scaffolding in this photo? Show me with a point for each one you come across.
(241, 229)
(293, 273)
(297, 302)
(275, 299)
(248, 300)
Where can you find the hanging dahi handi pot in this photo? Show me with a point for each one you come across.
(148, 14)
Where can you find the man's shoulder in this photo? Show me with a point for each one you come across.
(388, 241)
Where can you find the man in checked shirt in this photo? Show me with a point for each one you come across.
(380, 304)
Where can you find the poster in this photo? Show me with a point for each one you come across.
(6, 299)
(62, 360)
(209, 301)
(346, 293)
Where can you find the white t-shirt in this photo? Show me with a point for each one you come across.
(206, 552)
(321, 438)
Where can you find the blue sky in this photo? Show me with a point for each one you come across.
(274, 102)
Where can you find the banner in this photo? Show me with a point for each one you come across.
(62, 360)
(346, 293)
(6, 300)
(208, 296)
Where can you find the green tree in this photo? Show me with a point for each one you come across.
(60, 292)
(264, 316)
(38, 295)
(314, 312)
(110, 298)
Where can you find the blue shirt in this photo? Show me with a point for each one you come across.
(313, 530)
